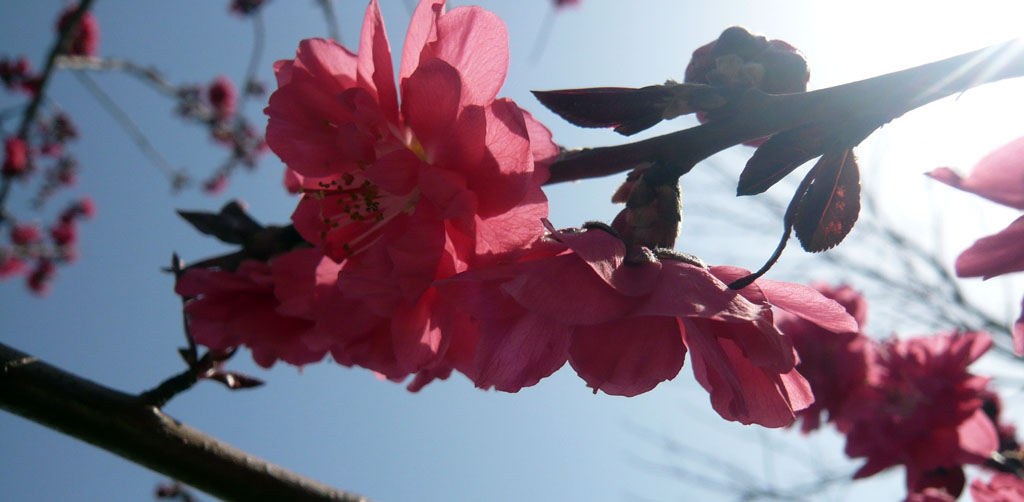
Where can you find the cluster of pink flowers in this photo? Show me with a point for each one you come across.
(44, 147)
(909, 402)
(424, 207)
(998, 177)
(215, 106)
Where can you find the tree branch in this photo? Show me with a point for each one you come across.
(874, 102)
(123, 424)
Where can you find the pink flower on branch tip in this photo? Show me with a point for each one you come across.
(625, 325)
(920, 407)
(999, 177)
(222, 97)
(85, 38)
(407, 191)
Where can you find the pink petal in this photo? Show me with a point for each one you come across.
(506, 172)
(395, 172)
(326, 63)
(689, 291)
(431, 102)
(374, 63)
(606, 255)
(475, 42)
(416, 336)
(761, 343)
(511, 232)
(283, 71)
(422, 30)
(999, 176)
(978, 437)
(307, 220)
(302, 129)
(520, 351)
(740, 391)
(294, 276)
(997, 254)
(806, 302)
(544, 149)
(626, 357)
(447, 192)
(567, 289)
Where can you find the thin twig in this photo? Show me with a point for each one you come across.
(129, 126)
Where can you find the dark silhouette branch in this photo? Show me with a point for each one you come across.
(124, 424)
(874, 102)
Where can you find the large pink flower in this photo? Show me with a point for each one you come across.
(405, 191)
(835, 364)
(625, 325)
(999, 177)
(921, 408)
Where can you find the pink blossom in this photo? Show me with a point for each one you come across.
(266, 307)
(835, 364)
(10, 264)
(222, 96)
(41, 276)
(403, 192)
(64, 233)
(921, 408)
(24, 234)
(15, 156)
(999, 177)
(1001, 488)
(625, 325)
(215, 185)
(85, 39)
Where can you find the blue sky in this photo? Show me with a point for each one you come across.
(112, 316)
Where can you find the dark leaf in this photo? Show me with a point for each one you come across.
(231, 225)
(234, 380)
(830, 208)
(779, 156)
(628, 110)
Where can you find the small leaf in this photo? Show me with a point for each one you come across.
(779, 156)
(231, 225)
(832, 203)
(628, 110)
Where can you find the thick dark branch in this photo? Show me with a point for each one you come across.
(121, 423)
(876, 100)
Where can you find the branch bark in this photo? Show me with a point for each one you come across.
(873, 101)
(125, 425)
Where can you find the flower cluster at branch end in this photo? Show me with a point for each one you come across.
(998, 177)
(909, 402)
